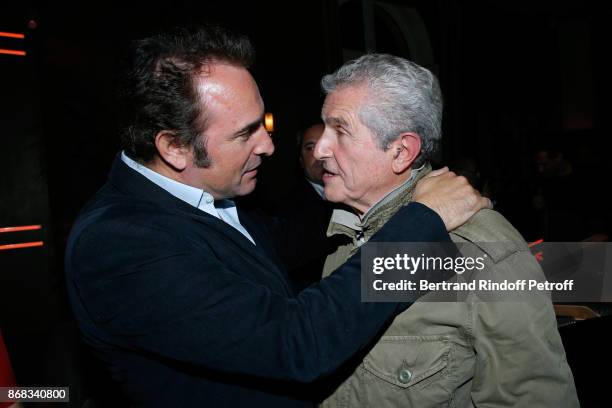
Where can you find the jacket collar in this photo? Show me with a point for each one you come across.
(133, 184)
(361, 229)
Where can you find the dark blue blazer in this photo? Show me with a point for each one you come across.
(184, 311)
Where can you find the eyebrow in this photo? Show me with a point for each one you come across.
(335, 121)
(251, 126)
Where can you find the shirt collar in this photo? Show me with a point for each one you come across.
(191, 195)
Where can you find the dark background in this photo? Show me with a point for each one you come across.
(517, 77)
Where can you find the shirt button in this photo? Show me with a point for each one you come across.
(209, 200)
(405, 376)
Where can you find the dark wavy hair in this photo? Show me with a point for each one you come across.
(157, 89)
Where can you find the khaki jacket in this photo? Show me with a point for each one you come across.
(469, 353)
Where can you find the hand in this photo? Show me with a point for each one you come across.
(451, 196)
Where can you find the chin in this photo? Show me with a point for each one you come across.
(247, 188)
(332, 196)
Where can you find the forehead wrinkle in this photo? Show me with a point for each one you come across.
(340, 114)
(341, 118)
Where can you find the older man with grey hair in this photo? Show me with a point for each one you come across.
(382, 119)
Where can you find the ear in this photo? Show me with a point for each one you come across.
(171, 152)
(405, 149)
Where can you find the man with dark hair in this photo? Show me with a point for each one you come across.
(160, 87)
(313, 168)
(181, 295)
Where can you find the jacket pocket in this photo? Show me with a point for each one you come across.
(409, 361)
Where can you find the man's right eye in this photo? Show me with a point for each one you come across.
(244, 135)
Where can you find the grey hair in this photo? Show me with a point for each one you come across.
(402, 97)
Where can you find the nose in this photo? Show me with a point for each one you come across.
(265, 145)
(323, 148)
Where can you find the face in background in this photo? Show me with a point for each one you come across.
(313, 168)
(357, 172)
(235, 138)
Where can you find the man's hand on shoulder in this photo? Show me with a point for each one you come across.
(450, 196)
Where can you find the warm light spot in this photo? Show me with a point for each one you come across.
(269, 122)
